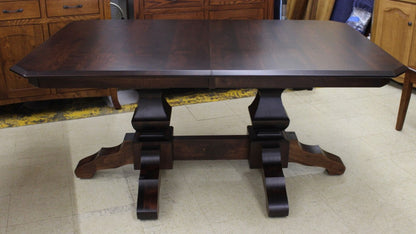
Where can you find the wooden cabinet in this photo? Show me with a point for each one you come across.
(16, 42)
(25, 24)
(393, 30)
(203, 9)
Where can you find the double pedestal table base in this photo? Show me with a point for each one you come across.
(153, 147)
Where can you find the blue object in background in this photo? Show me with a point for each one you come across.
(361, 15)
(342, 10)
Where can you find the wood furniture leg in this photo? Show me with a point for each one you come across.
(147, 199)
(268, 147)
(313, 155)
(271, 148)
(114, 99)
(153, 148)
(149, 149)
(107, 158)
(409, 79)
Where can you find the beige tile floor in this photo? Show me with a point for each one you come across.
(377, 193)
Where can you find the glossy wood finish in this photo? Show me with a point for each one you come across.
(393, 29)
(409, 81)
(15, 43)
(25, 25)
(274, 183)
(313, 155)
(153, 139)
(269, 148)
(157, 55)
(208, 54)
(153, 147)
(107, 158)
(148, 195)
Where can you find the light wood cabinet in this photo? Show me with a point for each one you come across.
(16, 42)
(24, 24)
(393, 30)
(203, 9)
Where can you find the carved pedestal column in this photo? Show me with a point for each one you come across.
(269, 148)
(152, 149)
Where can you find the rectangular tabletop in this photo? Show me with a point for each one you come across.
(148, 54)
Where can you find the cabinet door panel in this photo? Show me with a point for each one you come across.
(395, 28)
(15, 43)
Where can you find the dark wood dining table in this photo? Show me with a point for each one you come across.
(156, 55)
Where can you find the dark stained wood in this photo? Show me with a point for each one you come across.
(157, 55)
(152, 112)
(409, 80)
(269, 148)
(26, 24)
(152, 148)
(258, 143)
(267, 112)
(313, 155)
(277, 54)
(274, 183)
(148, 195)
(107, 158)
(210, 147)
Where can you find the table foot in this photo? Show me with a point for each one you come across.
(274, 183)
(269, 148)
(153, 148)
(147, 200)
(313, 155)
(107, 158)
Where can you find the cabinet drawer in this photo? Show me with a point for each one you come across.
(236, 2)
(158, 4)
(237, 14)
(19, 10)
(71, 7)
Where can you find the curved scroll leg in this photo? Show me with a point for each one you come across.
(106, 158)
(147, 200)
(274, 183)
(268, 148)
(114, 99)
(313, 155)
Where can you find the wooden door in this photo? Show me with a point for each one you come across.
(394, 29)
(15, 43)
